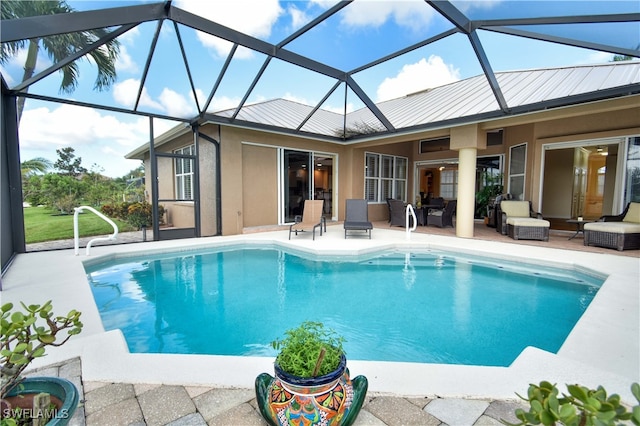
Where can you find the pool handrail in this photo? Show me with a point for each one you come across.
(76, 233)
(410, 212)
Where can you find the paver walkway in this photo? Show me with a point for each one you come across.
(113, 404)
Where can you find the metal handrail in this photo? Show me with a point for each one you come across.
(76, 234)
(410, 212)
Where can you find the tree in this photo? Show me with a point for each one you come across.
(618, 58)
(59, 47)
(34, 166)
(62, 192)
(67, 162)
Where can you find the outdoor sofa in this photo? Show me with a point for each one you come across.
(621, 232)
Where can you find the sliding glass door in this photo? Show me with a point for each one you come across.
(305, 176)
(296, 183)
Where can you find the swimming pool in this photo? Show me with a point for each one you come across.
(419, 306)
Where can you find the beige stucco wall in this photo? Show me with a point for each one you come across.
(260, 178)
(249, 157)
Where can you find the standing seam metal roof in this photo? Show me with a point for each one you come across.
(465, 98)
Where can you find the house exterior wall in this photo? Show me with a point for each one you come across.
(249, 165)
(250, 176)
(260, 193)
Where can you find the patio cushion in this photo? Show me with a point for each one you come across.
(633, 214)
(515, 208)
(527, 221)
(614, 227)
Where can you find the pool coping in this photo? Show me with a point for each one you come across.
(602, 349)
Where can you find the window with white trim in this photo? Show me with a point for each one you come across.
(517, 167)
(449, 183)
(184, 173)
(385, 176)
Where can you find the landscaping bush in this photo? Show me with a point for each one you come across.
(136, 214)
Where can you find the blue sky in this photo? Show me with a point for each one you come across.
(362, 32)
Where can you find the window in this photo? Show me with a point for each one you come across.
(517, 162)
(385, 177)
(184, 173)
(632, 184)
(434, 145)
(449, 183)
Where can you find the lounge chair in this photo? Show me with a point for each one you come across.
(442, 218)
(357, 217)
(520, 222)
(310, 220)
(620, 232)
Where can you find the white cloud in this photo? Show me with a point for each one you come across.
(422, 75)
(169, 102)
(124, 62)
(412, 14)
(175, 104)
(130, 37)
(126, 92)
(255, 18)
(97, 137)
(221, 103)
(298, 17)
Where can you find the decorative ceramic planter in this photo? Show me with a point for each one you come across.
(59, 389)
(332, 399)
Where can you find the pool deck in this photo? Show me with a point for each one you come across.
(603, 348)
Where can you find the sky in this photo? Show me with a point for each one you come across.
(361, 33)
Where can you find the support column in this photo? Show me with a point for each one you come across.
(466, 140)
(466, 192)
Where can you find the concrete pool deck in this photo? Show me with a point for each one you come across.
(603, 348)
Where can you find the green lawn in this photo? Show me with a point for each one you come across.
(43, 224)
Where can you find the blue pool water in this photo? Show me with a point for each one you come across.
(424, 307)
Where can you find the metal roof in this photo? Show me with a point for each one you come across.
(601, 26)
(471, 98)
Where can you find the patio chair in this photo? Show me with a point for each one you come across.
(396, 212)
(520, 222)
(310, 220)
(442, 218)
(620, 232)
(357, 217)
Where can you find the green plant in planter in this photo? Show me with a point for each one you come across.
(310, 350)
(581, 407)
(25, 335)
(312, 384)
(492, 187)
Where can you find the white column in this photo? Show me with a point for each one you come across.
(466, 192)
(467, 140)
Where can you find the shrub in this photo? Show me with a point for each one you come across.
(25, 335)
(301, 347)
(581, 407)
(136, 214)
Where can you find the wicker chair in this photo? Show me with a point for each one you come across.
(621, 232)
(520, 222)
(396, 212)
(442, 218)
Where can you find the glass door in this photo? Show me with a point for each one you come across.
(323, 181)
(297, 182)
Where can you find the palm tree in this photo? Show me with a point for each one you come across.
(34, 166)
(59, 47)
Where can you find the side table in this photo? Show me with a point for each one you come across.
(579, 226)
